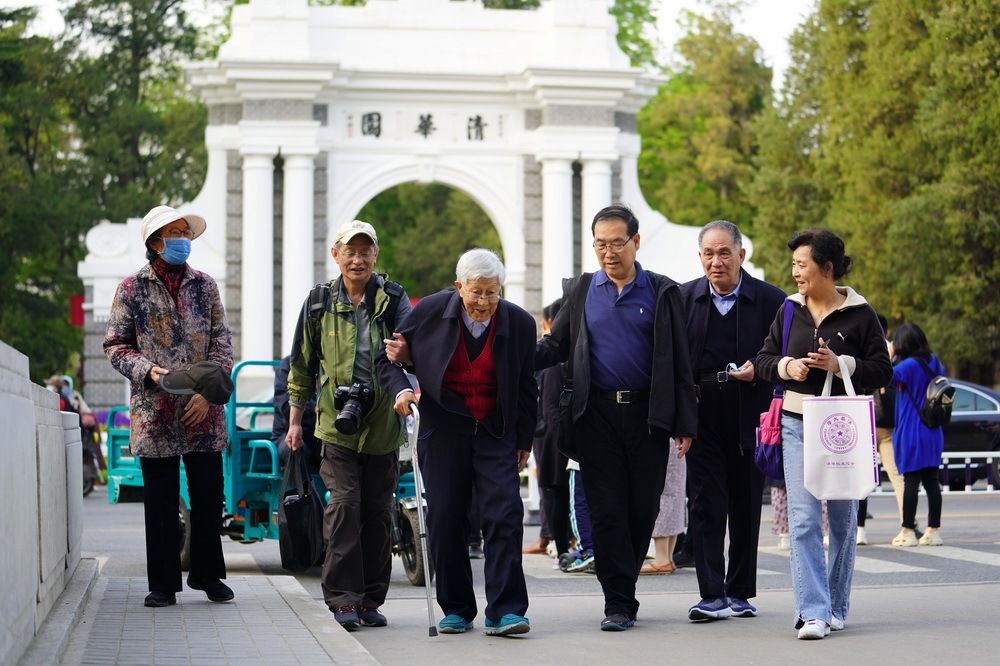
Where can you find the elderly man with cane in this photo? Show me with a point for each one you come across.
(473, 354)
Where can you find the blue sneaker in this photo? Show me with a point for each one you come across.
(742, 608)
(508, 625)
(617, 622)
(582, 564)
(454, 624)
(710, 609)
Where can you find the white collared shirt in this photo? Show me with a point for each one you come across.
(476, 328)
(725, 303)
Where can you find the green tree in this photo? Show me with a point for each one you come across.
(698, 139)
(423, 229)
(42, 216)
(141, 132)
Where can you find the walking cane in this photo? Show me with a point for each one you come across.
(418, 483)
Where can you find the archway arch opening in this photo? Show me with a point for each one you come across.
(423, 228)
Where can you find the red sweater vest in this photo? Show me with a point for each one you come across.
(475, 381)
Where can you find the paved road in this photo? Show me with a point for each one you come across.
(921, 605)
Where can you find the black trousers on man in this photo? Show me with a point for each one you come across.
(624, 467)
(356, 526)
(452, 465)
(161, 494)
(725, 486)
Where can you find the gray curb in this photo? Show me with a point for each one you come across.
(49, 644)
(342, 647)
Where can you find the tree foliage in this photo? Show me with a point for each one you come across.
(887, 133)
(698, 139)
(423, 229)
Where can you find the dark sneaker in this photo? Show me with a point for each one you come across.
(617, 622)
(742, 608)
(347, 617)
(213, 588)
(508, 625)
(710, 609)
(454, 624)
(371, 617)
(160, 599)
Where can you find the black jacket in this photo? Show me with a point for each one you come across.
(431, 331)
(758, 302)
(673, 406)
(851, 330)
(551, 463)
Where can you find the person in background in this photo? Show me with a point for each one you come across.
(279, 426)
(916, 447)
(670, 520)
(829, 321)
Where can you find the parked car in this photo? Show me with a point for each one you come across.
(974, 427)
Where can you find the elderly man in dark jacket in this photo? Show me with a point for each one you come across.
(473, 354)
(728, 316)
(622, 331)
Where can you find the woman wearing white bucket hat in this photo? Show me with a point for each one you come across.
(166, 317)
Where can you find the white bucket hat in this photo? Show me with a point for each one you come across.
(161, 216)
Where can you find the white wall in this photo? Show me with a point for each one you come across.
(41, 496)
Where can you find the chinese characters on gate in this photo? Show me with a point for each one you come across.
(371, 125)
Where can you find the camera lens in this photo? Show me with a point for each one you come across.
(349, 419)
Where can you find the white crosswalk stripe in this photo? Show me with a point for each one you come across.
(870, 564)
(953, 553)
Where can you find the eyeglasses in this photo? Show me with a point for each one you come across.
(475, 296)
(615, 246)
(351, 253)
(177, 233)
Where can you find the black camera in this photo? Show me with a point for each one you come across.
(353, 402)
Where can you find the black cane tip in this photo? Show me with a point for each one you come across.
(432, 631)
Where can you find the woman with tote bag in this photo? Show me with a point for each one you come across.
(831, 326)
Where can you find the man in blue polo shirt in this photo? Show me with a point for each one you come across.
(622, 331)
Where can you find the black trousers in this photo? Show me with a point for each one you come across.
(452, 466)
(911, 489)
(624, 467)
(556, 501)
(356, 526)
(725, 487)
(161, 495)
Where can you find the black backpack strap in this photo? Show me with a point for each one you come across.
(320, 299)
(395, 292)
(926, 367)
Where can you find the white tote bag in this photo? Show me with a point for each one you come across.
(839, 442)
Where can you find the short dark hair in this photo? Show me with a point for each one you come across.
(617, 212)
(826, 247)
(910, 341)
(550, 311)
(152, 254)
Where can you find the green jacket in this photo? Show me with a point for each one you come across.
(382, 431)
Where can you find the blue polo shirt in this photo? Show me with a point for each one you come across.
(620, 327)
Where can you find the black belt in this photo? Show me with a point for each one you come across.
(621, 397)
(713, 377)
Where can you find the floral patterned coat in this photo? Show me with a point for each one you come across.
(147, 329)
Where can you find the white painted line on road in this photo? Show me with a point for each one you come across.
(243, 563)
(952, 553)
(873, 566)
(768, 572)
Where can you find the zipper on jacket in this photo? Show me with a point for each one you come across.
(815, 336)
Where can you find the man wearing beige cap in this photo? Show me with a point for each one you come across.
(335, 343)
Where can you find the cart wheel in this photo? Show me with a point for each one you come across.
(411, 552)
(184, 518)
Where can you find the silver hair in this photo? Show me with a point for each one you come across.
(479, 263)
(726, 226)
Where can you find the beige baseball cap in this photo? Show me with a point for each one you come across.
(351, 229)
(161, 216)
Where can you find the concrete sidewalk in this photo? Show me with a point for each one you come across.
(272, 620)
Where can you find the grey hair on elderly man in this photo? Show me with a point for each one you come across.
(479, 263)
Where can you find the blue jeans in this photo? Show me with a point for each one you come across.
(821, 588)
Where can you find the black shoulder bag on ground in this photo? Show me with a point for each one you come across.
(576, 303)
(300, 517)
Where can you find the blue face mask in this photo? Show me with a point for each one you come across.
(176, 250)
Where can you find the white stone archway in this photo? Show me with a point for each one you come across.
(315, 110)
(506, 215)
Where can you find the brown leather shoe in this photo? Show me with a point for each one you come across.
(537, 548)
(653, 569)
